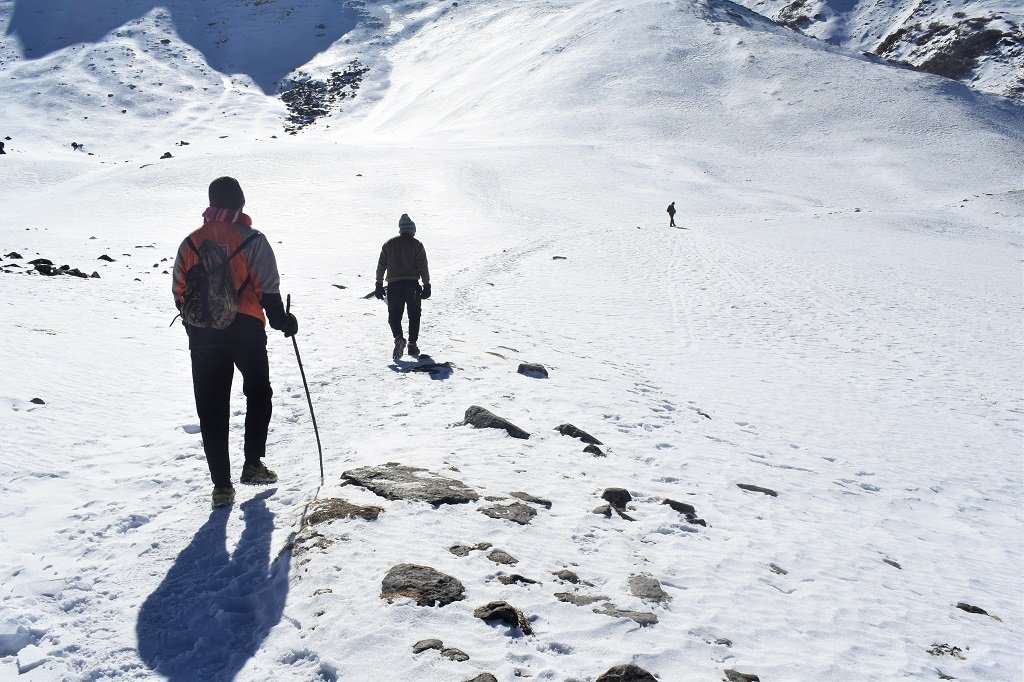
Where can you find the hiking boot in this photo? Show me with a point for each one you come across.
(414, 350)
(257, 474)
(399, 349)
(222, 497)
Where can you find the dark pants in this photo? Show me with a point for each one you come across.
(213, 368)
(671, 219)
(403, 293)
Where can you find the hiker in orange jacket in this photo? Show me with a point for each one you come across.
(221, 338)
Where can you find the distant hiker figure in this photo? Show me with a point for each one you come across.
(405, 261)
(2, 148)
(672, 214)
(225, 276)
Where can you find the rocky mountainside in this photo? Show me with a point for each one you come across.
(980, 43)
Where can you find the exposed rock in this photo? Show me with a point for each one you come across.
(424, 584)
(516, 579)
(106, 258)
(527, 497)
(623, 515)
(484, 677)
(566, 575)
(604, 509)
(626, 673)
(485, 419)
(579, 599)
(638, 617)
(572, 431)
(558, 258)
(517, 512)
(94, 275)
(457, 655)
(757, 489)
(427, 644)
(41, 261)
(648, 588)
(733, 676)
(499, 556)
(505, 612)
(38, 401)
(618, 498)
(594, 450)
(332, 509)
(778, 569)
(892, 563)
(399, 482)
(13, 255)
(970, 608)
(167, 155)
(686, 510)
(947, 650)
(533, 369)
(460, 550)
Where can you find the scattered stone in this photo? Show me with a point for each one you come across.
(41, 261)
(457, 655)
(485, 419)
(106, 258)
(167, 155)
(399, 482)
(638, 617)
(427, 644)
(500, 556)
(484, 677)
(970, 608)
(527, 497)
(424, 584)
(12, 254)
(566, 575)
(308, 99)
(594, 450)
(605, 509)
(533, 369)
(558, 258)
(757, 489)
(623, 515)
(505, 612)
(648, 588)
(892, 563)
(517, 512)
(339, 286)
(686, 510)
(572, 431)
(733, 676)
(778, 569)
(38, 401)
(626, 673)
(618, 498)
(94, 275)
(947, 650)
(722, 641)
(333, 509)
(460, 550)
(516, 579)
(579, 599)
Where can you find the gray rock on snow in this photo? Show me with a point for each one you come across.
(626, 673)
(574, 432)
(734, 676)
(648, 588)
(594, 450)
(640, 618)
(527, 497)
(618, 498)
(504, 612)
(517, 512)
(424, 584)
(500, 556)
(533, 369)
(579, 599)
(757, 489)
(484, 677)
(332, 509)
(482, 418)
(687, 510)
(399, 482)
(427, 644)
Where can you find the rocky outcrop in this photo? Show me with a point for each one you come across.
(399, 482)
(422, 583)
(482, 418)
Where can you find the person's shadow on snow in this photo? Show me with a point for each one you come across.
(211, 613)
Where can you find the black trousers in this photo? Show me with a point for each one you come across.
(405, 293)
(213, 368)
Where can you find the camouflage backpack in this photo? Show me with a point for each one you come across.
(211, 299)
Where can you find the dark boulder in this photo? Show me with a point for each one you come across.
(485, 419)
(424, 584)
(533, 369)
(626, 673)
(573, 432)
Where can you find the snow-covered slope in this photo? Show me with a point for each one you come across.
(980, 42)
(839, 321)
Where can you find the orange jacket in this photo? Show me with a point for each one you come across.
(256, 261)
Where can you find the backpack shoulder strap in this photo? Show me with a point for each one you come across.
(248, 276)
(191, 244)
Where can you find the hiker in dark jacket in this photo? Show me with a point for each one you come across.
(671, 214)
(242, 343)
(405, 261)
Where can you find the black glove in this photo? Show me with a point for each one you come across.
(426, 291)
(290, 326)
(276, 315)
(379, 290)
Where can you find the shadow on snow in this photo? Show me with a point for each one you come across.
(211, 613)
(265, 40)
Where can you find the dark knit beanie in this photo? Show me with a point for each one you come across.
(406, 225)
(225, 192)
